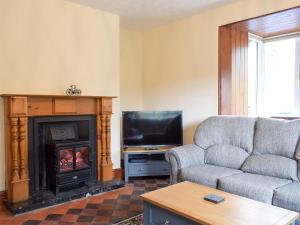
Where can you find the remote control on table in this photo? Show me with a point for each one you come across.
(214, 198)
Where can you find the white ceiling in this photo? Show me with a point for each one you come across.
(140, 14)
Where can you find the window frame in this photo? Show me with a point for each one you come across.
(260, 76)
(297, 76)
(259, 73)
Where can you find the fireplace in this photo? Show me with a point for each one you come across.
(68, 161)
(70, 158)
(64, 149)
(57, 149)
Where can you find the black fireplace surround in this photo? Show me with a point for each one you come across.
(62, 157)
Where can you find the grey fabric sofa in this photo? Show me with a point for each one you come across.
(258, 158)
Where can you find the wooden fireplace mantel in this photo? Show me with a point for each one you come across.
(19, 107)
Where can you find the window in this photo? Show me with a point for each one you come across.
(253, 73)
(273, 76)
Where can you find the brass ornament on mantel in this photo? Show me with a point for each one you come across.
(73, 91)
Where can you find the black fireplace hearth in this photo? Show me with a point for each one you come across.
(42, 199)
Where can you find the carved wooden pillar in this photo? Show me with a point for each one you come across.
(108, 139)
(14, 133)
(17, 160)
(99, 143)
(105, 170)
(23, 127)
(103, 140)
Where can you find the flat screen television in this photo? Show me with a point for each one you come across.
(152, 128)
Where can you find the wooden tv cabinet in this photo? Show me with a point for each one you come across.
(139, 162)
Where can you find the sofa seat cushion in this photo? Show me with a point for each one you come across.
(257, 187)
(206, 174)
(271, 165)
(288, 197)
(226, 155)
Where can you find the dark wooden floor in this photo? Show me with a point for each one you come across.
(107, 208)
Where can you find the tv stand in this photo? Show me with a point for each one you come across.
(140, 162)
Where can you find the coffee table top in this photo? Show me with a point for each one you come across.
(186, 199)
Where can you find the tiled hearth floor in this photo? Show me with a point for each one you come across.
(107, 208)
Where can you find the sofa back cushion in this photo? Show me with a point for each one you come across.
(225, 155)
(228, 130)
(277, 137)
(271, 165)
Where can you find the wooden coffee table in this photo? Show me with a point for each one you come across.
(183, 204)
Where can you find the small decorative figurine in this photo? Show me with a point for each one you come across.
(73, 91)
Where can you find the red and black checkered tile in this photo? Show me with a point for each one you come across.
(108, 208)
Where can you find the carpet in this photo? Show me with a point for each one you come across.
(137, 220)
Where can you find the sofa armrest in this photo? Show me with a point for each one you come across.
(184, 156)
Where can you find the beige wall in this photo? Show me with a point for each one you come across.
(180, 69)
(46, 45)
(131, 69)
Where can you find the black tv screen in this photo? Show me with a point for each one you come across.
(152, 128)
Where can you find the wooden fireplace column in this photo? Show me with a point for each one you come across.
(17, 110)
(104, 111)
